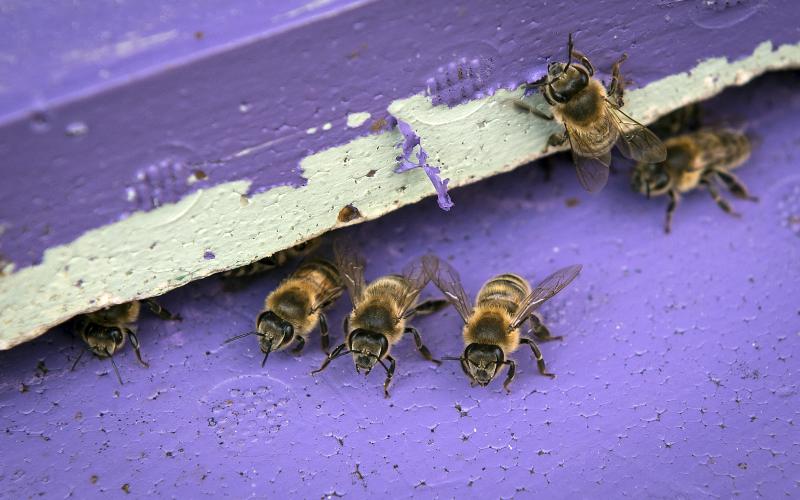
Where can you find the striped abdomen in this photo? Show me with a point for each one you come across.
(277, 260)
(304, 290)
(721, 149)
(505, 290)
(379, 308)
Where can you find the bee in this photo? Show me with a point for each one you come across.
(278, 259)
(105, 331)
(380, 313)
(592, 118)
(296, 307)
(492, 328)
(686, 119)
(697, 159)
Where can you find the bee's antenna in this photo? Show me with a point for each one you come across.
(266, 354)
(452, 358)
(570, 46)
(243, 335)
(114, 364)
(647, 189)
(77, 359)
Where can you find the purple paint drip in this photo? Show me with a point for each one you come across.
(411, 141)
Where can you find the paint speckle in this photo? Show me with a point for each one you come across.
(199, 35)
(378, 125)
(126, 488)
(348, 213)
(39, 122)
(76, 129)
(312, 130)
(357, 119)
(327, 126)
(196, 175)
(245, 107)
(209, 255)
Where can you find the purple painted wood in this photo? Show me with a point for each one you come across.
(98, 126)
(678, 375)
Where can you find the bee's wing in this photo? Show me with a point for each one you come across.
(351, 265)
(543, 292)
(417, 275)
(448, 281)
(635, 140)
(592, 156)
(592, 172)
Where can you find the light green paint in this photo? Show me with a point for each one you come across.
(357, 119)
(154, 252)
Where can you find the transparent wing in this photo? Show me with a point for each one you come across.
(592, 172)
(351, 265)
(635, 140)
(416, 273)
(448, 281)
(591, 154)
(544, 291)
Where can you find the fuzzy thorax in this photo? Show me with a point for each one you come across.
(489, 325)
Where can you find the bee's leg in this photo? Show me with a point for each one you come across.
(323, 332)
(532, 109)
(77, 359)
(116, 370)
(538, 353)
(339, 351)
(160, 311)
(673, 202)
(389, 375)
(542, 332)
(136, 349)
(301, 342)
(584, 60)
(512, 370)
(721, 202)
(420, 346)
(616, 88)
(735, 186)
(429, 307)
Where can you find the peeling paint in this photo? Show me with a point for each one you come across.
(475, 140)
(355, 120)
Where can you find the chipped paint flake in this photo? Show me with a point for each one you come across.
(466, 143)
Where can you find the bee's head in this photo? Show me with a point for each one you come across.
(274, 332)
(481, 362)
(367, 348)
(102, 340)
(564, 80)
(650, 179)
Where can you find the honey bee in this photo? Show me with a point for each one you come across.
(697, 159)
(685, 119)
(296, 306)
(278, 259)
(380, 312)
(492, 327)
(592, 118)
(105, 331)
